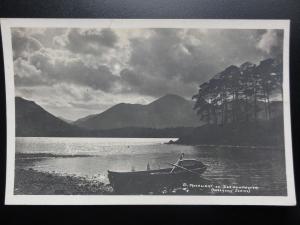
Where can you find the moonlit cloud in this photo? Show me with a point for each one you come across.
(271, 42)
(77, 72)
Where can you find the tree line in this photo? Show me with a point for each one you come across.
(237, 94)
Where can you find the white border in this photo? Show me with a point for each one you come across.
(11, 199)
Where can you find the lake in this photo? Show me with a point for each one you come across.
(92, 157)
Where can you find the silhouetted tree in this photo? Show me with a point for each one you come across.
(234, 94)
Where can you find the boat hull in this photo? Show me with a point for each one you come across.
(144, 182)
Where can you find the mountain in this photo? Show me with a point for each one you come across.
(33, 121)
(168, 111)
(65, 120)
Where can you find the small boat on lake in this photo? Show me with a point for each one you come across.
(134, 182)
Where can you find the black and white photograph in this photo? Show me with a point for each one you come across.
(148, 112)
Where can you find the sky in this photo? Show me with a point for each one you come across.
(74, 72)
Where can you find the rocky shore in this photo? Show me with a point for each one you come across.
(32, 182)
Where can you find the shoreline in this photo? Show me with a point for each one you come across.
(228, 145)
(29, 181)
(33, 182)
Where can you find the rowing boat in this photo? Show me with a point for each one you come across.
(151, 180)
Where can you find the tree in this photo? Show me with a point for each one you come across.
(202, 105)
(234, 94)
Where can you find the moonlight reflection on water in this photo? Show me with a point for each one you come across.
(256, 167)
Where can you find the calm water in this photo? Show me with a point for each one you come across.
(264, 168)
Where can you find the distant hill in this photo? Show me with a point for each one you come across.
(33, 121)
(169, 111)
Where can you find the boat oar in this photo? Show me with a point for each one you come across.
(191, 171)
(180, 158)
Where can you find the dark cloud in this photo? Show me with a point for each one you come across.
(88, 41)
(154, 86)
(43, 68)
(27, 75)
(173, 60)
(172, 56)
(148, 63)
(23, 44)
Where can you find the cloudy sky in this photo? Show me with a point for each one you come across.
(76, 72)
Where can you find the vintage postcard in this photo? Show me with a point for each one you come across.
(110, 111)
